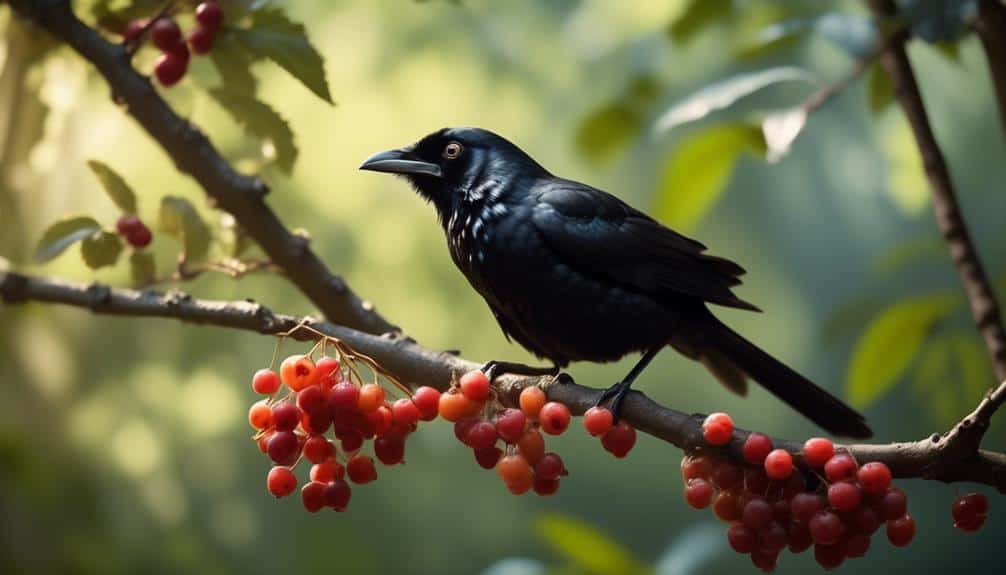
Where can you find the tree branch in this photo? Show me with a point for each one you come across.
(931, 458)
(984, 308)
(991, 29)
(193, 153)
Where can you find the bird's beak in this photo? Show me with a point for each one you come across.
(400, 161)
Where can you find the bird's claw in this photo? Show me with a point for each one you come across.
(616, 393)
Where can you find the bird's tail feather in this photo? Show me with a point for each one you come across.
(814, 403)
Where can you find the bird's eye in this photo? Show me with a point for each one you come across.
(452, 150)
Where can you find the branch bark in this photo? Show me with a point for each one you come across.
(991, 29)
(984, 307)
(193, 153)
(931, 458)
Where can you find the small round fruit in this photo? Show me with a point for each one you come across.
(726, 474)
(312, 496)
(169, 69)
(337, 494)
(969, 512)
(696, 466)
(844, 496)
(298, 372)
(893, 504)
(454, 406)
(389, 450)
(550, 466)
(829, 557)
(598, 420)
(475, 385)
(318, 449)
(756, 447)
(126, 224)
(516, 473)
(285, 416)
(619, 440)
(265, 382)
(857, 545)
(405, 411)
(165, 34)
(201, 40)
(427, 400)
(742, 539)
(140, 237)
(260, 415)
(343, 397)
(326, 471)
(283, 448)
(699, 493)
(803, 506)
(826, 528)
(718, 428)
(210, 15)
(131, 34)
(874, 477)
(841, 467)
(360, 469)
(901, 531)
(778, 464)
(531, 400)
(727, 505)
(531, 446)
(545, 487)
(757, 513)
(281, 481)
(554, 418)
(488, 458)
(481, 435)
(510, 424)
(371, 397)
(817, 451)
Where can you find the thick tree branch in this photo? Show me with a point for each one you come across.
(984, 307)
(991, 29)
(931, 458)
(193, 153)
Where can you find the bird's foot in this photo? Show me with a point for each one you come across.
(494, 368)
(616, 393)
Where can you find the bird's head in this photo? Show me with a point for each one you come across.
(447, 164)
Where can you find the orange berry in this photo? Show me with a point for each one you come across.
(475, 385)
(516, 473)
(371, 397)
(532, 399)
(298, 372)
(454, 406)
(531, 446)
(260, 415)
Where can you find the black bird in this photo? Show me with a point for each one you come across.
(573, 273)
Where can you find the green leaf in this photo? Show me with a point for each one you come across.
(587, 547)
(233, 62)
(890, 343)
(698, 170)
(142, 269)
(180, 219)
(63, 234)
(725, 93)
(114, 185)
(261, 121)
(607, 131)
(101, 249)
(273, 35)
(907, 186)
(698, 15)
(975, 368)
(879, 91)
(932, 379)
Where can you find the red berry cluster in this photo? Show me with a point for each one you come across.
(969, 512)
(321, 399)
(524, 465)
(136, 233)
(166, 35)
(771, 505)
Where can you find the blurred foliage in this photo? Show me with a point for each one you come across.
(122, 443)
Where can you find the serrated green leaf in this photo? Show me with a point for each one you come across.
(261, 121)
(890, 343)
(879, 91)
(698, 15)
(233, 62)
(101, 249)
(142, 269)
(698, 170)
(606, 131)
(63, 234)
(179, 218)
(114, 185)
(725, 93)
(273, 35)
(586, 547)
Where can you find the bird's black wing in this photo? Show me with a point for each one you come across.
(600, 235)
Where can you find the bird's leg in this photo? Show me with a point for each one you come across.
(494, 368)
(617, 392)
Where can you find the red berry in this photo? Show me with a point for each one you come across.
(210, 15)
(298, 372)
(971, 525)
(481, 435)
(281, 481)
(487, 458)
(727, 506)
(405, 411)
(799, 538)
(765, 561)
(283, 448)
(337, 494)
(726, 475)
(327, 366)
(969, 512)
(803, 506)
(510, 425)
(867, 519)
(427, 400)
(778, 464)
(371, 397)
(757, 513)
(901, 531)
(826, 528)
(360, 469)
(598, 420)
(317, 449)
(475, 386)
(201, 40)
(462, 428)
(718, 429)
(893, 504)
(169, 69)
(699, 493)
(127, 223)
(756, 481)
(165, 34)
(874, 477)
(343, 396)
(554, 418)
(742, 539)
(817, 451)
(531, 400)
(696, 466)
(619, 440)
(312, 495)
(550, 466)
(756, 447)
(265, 382)
(131, 34)
(841, 467)
(326, 471)
(260, 415)
(844, 496)
(773, 538)
(312, 399)
(545, 487)
(140, 237)
(454, 406)
(829, 556)
(381, 419)
(285, 416)
(531, 446)
(857, 545)
(516, 473)
(389, 450)
(351, 441)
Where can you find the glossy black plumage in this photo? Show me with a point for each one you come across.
(573, 273)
